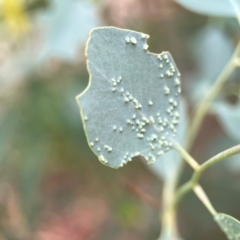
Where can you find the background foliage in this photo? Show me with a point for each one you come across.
(51, 185)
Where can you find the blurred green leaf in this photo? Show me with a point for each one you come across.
(222, 8)
(66, 25)
(229, 117)
(211, 50)
(130, 107)
(229, 225)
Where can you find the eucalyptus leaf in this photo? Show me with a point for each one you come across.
(229, 117)
(222, 8)
(130, 106)
(229, 225)
(171, 161)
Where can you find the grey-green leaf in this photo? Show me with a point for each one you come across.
(212, 49)
(222, 8)
(171, 161)
(229, 225)
(229, 116)
(130, 106)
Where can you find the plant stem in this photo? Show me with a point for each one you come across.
(168, 218)
(182, 191)
(186, 156)
(219, 157)
(193, 183)
(204, 106)
(186, 188)
(204, 199)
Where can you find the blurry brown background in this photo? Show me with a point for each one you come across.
(52, 187)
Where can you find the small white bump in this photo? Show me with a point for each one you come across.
(139, 135)
(154, 137)
(160, 65)
(109, 149)
(166, 90)
(150, 103)
(126, 100)
(85, 118)
(120, 129)
(152, 146)
(114, 128)
(99, 149)
(129, 122)
(114, 89)
(159, 57)
(133, 40)
(135, 101)
(145, 47)
(102, 159)
(169, 74)
(143, 35)
(152, 120)
(133, 116)
(160, 153)
(176, 114)
(175, 122)
(96, 139)
(127, 39)
(91, 144)
(177, 81)
(162, 75)
(122, 90)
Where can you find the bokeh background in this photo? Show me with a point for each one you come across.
(52, 187)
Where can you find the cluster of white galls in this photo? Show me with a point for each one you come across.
(140, 123)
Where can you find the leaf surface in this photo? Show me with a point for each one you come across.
(171, 161)
(229, 225)
(130, 106)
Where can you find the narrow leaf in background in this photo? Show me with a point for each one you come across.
(229, 117)
(219, 8)
(212, 50)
